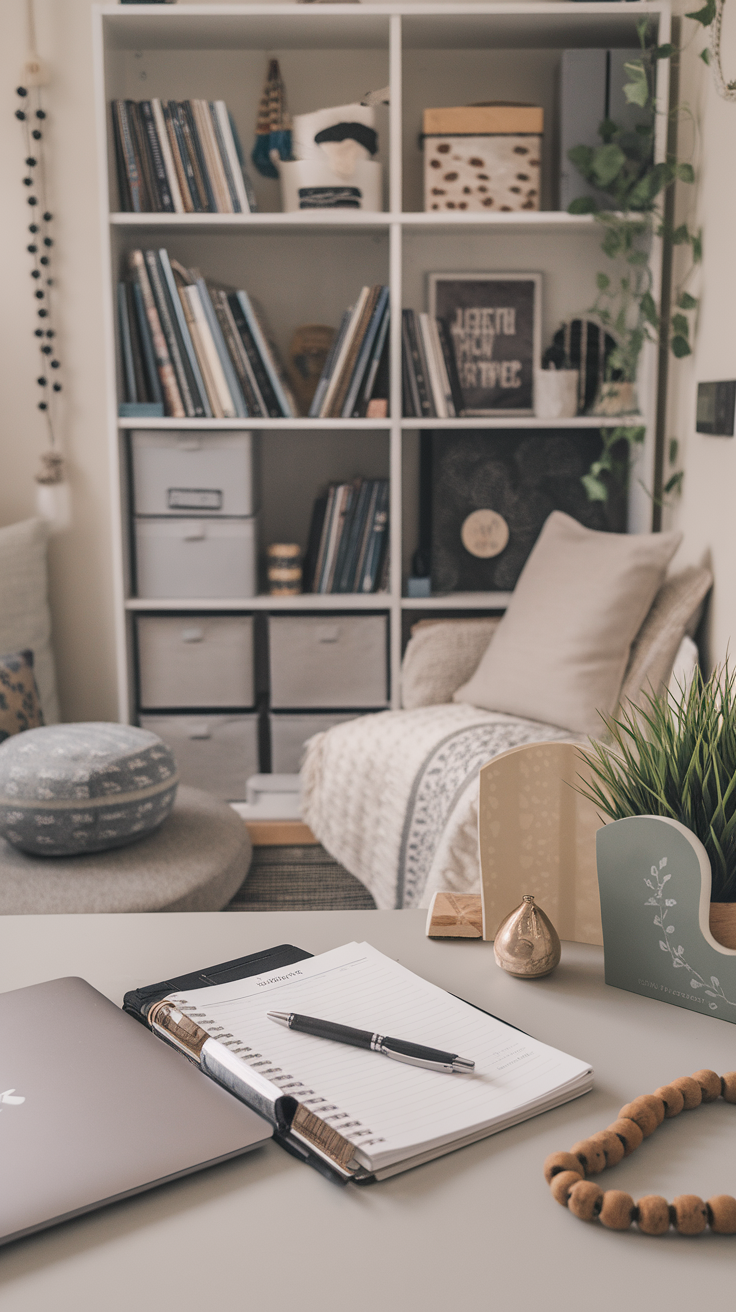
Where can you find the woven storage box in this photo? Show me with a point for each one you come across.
(482, 157)
(196, 557)
(328, 661)
(291, 731)
(200, 474)
(214, 752)
(195, 661)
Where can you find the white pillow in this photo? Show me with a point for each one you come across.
(24, 611)
(560, 651)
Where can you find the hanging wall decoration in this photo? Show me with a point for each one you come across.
(52, 492)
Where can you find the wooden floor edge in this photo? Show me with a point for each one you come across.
(280, 833)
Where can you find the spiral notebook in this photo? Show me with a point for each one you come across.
(369, 1116)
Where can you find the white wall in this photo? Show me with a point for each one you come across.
(706, 512)
(80, 558)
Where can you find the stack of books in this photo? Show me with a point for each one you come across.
(348, 538)
(354, 381)
(193, 350)
(430, 383)
(180, 157)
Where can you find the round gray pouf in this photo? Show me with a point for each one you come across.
(195, 861)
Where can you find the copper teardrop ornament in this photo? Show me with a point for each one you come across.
(526, 942)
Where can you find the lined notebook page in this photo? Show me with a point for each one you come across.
(386, 1109)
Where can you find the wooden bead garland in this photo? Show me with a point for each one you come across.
(566, 1173)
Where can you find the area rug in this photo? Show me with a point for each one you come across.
(299, 879)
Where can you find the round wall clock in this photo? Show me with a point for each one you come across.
(484, 533)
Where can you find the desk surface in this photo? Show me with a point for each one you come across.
(477, 1225)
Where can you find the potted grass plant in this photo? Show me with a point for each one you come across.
(675, 758)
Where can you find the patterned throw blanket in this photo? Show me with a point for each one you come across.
(394, 796)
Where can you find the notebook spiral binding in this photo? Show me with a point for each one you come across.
(319, 1108)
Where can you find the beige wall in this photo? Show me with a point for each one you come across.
(706, 512)
(81, 557)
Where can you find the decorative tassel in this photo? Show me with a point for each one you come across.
(273, 129)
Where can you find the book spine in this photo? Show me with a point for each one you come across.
(176, 146)
(351, 359)
(221, 127)
(439, 357)
(143, 155)
(196, 382)
(231, 377)
(163, 140)
(343, 539)
(412, 403)
(121, 171)
(436, 391)
(346, 579)
(142, 388)
(211, 156)
(313, 542)
(244, 174)
(365, 536)
(329, 365)
(269, 356)
(342, 354)
(144, 336)
(160, 180)
(371, 375)
(418, 366)
(327, 521)
(136, 182)
(266, 397)
(338, 520)
(175, 354)
(235, 349)
(377, 541)
(448, 355)
(164, 366)
(209, 205)
(364, 355)
(214, 363)
(180, 124)
(200, 349)
(126, 347)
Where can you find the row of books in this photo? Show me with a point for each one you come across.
(193, 350)
(347, 549)
(354, 381)
(180, 157)
(430, 383)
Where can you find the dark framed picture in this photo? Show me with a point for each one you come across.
(493, 321)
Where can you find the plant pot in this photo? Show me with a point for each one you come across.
(556, 393)
(722, 921)
(654, 878)
(616, 399)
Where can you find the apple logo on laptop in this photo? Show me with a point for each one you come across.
(10, 1098)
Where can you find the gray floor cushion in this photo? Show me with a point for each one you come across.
(195, 861)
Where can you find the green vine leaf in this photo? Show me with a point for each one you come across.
(680, 347)
(705, 55)
(674, 484)
(686, 302)
(607, 163)
(582, 205)
(603, 281)
(663, 52)
(680, 235)
(705, 15)
(685, 172)
(680, 325)
(637, 90)
(595, 490)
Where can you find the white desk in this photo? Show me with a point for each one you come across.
(477, 1228)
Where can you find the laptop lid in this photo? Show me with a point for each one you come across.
(93, 1108)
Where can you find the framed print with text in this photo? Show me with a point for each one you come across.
(494, 323)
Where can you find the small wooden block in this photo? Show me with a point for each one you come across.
(455, 915)
(280, 833)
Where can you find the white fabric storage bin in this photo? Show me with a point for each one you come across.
(214, 752)
(192, 473)
(195, 660)
(331, 660)
(290, 732)
(196, 557)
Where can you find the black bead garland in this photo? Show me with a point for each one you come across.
(41, 240)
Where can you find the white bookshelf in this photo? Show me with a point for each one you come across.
(307, 267)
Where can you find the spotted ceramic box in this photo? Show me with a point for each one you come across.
(483, 158)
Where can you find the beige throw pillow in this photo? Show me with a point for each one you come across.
(560, 651)
(440, 655)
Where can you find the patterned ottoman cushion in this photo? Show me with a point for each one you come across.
(71, 788)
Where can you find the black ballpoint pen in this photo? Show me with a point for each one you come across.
(413, 1054)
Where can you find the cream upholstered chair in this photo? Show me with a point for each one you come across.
(537, 835)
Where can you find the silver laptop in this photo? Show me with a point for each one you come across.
(93, 1108)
